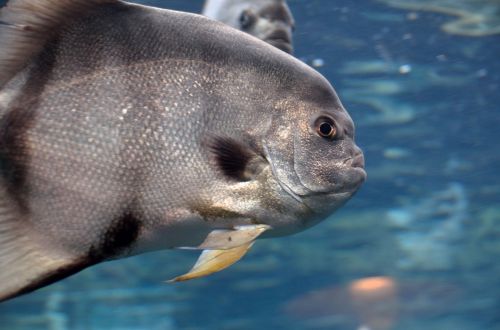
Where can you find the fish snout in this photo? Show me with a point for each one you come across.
(341, 182)
(280, 34)
(281, 39)
(357, 160)
(348, 175)
(357, 169)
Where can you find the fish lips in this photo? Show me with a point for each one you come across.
(281, 40)
(321, 202)
(350, 176)
(351, 180)
(325, 202)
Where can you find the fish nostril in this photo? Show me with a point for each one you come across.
(358, 161)
(347, 161)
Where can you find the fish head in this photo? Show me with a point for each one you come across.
(311, 149)
(270, 21)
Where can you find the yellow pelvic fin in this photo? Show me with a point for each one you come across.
(221, 249)
(212, 261)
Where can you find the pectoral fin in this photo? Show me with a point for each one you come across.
(222, 248)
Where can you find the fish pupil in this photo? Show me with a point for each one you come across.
(325, 129)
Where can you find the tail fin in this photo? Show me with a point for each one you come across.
(26, 25)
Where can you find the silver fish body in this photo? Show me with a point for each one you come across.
(136, 129)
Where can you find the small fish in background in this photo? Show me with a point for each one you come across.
(373, 303)
(369, 303)
(268, 20)
(126, 128)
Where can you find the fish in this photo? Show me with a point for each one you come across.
(375, 302)
(126, 129)
(269, 20)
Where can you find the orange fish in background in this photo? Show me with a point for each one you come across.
(372, 303)
(375, 301)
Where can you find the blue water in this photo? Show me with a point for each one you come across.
(417, 248)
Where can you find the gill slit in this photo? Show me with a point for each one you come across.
(283, 186)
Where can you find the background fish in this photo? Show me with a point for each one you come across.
(126, 129)
(268, 20)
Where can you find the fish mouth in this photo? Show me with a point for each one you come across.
(354, 169)
(281, 40)
(339, 192)
(357, 175)
(307, 199)
(355, 166)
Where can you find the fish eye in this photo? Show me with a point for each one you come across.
(325, 127)
(247, 19)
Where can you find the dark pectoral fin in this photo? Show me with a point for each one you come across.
(231, 157)
(236, 160)
(25, 264)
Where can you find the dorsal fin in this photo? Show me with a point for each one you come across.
(26, 25)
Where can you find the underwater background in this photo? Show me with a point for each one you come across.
(417, 248)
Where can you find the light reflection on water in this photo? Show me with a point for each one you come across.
(415, 249)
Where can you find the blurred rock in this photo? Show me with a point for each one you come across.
(427, 229)
(475, 18)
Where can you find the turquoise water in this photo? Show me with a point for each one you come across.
(417, 248)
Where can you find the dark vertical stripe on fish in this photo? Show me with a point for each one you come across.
(120, 236)
(14, 152)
